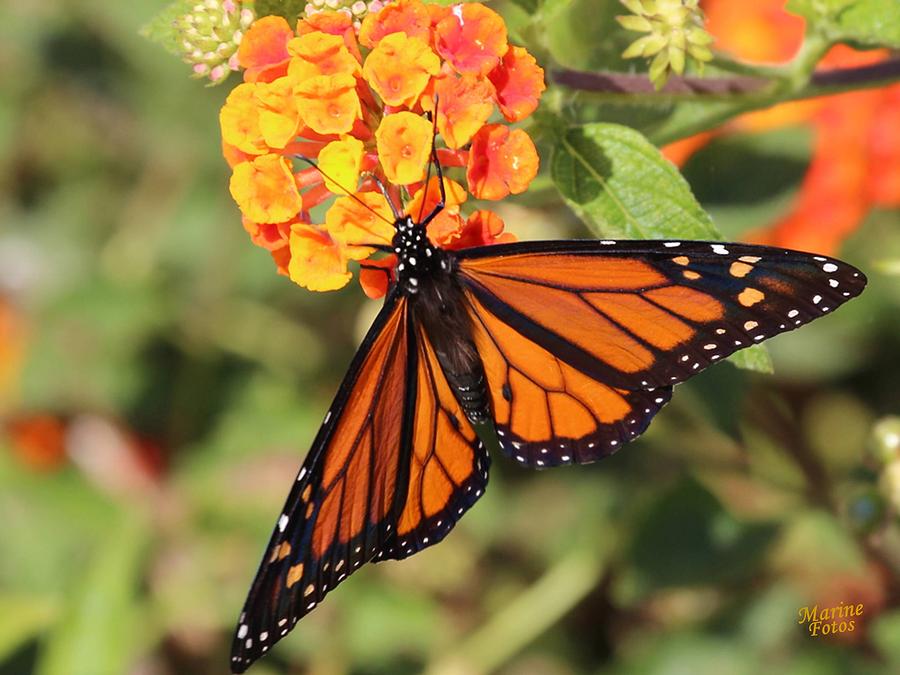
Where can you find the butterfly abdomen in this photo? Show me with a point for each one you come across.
(471, 392)
(439, 308)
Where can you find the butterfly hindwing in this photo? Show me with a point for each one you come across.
(547, 412)
(344, 505)
(448, 464)
(583, 340)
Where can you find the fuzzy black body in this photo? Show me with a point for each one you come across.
(427, 276)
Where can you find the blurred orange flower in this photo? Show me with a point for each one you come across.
(856, 149)
(355, 97)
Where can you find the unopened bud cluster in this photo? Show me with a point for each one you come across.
(354, 8)
(210, 34)
(674, 31)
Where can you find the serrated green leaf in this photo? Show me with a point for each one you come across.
(622, 187)
(161, 28)
(872, 23)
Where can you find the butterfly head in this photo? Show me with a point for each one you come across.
(417, 259)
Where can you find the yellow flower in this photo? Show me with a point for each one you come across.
(265, 190)
(404, 145)
(317, 261)
(339, 162)
(239, 119)
(279, 118)
(319, 53)
(399, 68)
(328, 104)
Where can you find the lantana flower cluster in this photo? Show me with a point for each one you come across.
(357, 101)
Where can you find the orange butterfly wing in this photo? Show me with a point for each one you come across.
(393, 468)
(448, 466)
(582, 341)
(345, 502)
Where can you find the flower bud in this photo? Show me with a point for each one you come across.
(358, 9)
(674, 33)
(884, 441)
(210, 35)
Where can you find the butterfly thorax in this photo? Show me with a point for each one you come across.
(426, 274)
(418, 259)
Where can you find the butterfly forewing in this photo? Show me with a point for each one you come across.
(647, 314)
(345, 502)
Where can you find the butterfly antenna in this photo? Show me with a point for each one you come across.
(428, 172)
(352, 195)
(440, 174)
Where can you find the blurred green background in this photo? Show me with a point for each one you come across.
(160, 385)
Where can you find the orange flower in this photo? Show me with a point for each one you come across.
(263, 50)
(318, 53)
(312, 95)
(404, 145)
(328, 104)
(375, 276)
(447, 225)
(239, 120)
(519, 82)
(464, 106)
(356, 227)
(270, 236)
(472, 38)
(501, 162)
(265, 190)
(405, 16)
(317, 261)
(279, 118)
(399, 68)
(39, 440)
(482, 229)
(340, 161)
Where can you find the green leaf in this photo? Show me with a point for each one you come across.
(872, 23)
(530, 6)
(22, 617)
(688, 538)
(622, 187)
(99, 632)
(161, 28)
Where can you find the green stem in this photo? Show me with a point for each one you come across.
(525, 618)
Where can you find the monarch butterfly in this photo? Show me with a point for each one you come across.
(567, 349)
